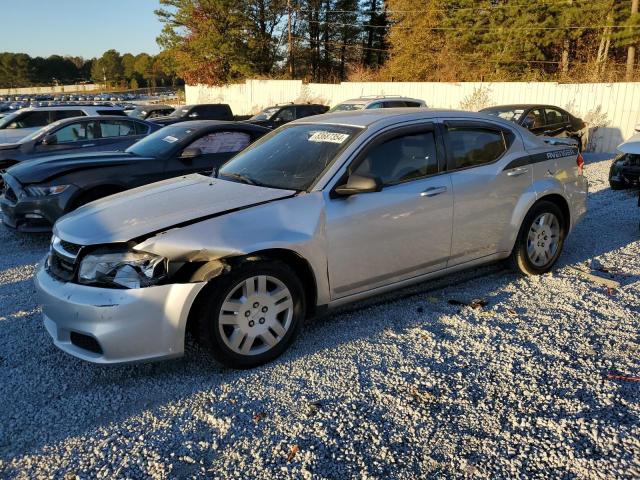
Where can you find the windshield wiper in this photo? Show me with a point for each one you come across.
(242, 178)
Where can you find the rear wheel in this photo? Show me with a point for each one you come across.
(251, 315)
(540, 239)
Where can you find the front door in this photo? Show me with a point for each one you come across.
(404, 230)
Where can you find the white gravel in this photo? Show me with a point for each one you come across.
(404, 386)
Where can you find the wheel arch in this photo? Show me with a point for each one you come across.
(108, 189)
(300, 266)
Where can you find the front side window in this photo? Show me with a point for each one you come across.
(401, 159)
(266, 114)
(348, 107)
(290, 158)
(285, 115)
(222, 142)
(554, 117)
(475, 146)
(375, 105)
(119, 113)
(76, 132)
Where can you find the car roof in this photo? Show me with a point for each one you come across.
(198, 124)
(366, 118)
(71, 107)
(377, 98)
(523, 106)
(631, 146)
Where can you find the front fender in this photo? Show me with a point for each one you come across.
(296, 224)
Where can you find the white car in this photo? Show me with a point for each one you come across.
(378, 101)
(21, 123)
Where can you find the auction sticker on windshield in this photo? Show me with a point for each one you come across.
(170, 139)
(331, 137)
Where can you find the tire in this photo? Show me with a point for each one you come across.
(528, 256)
(228, 331)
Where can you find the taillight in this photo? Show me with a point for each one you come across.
(580, 163)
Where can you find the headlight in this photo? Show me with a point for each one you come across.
(36, 191)
(122, 270)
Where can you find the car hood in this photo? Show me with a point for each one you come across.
(12, 135)
(43, 169)
(160, 206)
(631, 146)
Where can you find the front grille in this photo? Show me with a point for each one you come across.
(61, 267)
(69, 247)
(85, 342)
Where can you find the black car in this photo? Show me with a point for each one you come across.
(273, 117)
(544, 120)
(625, 168)
(147, 112)
(212, 111)
(89, 134)
(38, 192)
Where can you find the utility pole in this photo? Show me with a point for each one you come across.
(290, 40)
(631, 51)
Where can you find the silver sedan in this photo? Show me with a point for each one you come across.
(319, 213)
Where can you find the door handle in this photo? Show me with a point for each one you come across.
(517, 172)
(88, 145)
(433, 191)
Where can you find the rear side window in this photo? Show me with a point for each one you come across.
(395, 104)
(401, 159)
(119, 113)
(61, 114)
(116, 128)
(222, 142)
(306, 111)
(413, 104)
(470, 147)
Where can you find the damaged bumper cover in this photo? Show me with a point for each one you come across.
(111, 326)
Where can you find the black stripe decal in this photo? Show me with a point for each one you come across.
(541, 157)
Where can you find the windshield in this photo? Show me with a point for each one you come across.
(138, 113)
(180, 111)
(266, 114)
(511, 114)
(291, 158)
(346, 107)
(161, 142)
(40, 132)
(8, 119)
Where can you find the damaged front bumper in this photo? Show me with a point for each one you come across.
(111, 326)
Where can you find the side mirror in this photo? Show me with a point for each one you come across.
(359, 184)
(50, 139)
(191, 153)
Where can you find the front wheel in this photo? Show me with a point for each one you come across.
(251, 315)
(540, 239)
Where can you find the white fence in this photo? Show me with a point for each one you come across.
(613, 107)
(84, 87)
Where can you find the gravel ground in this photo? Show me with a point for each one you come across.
(404, 386)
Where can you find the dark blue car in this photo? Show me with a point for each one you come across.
(87, 134)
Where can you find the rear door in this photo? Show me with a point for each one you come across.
(489, 173)
(117, 134)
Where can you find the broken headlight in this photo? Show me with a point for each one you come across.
(122, 269)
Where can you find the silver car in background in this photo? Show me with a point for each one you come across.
(319, 213)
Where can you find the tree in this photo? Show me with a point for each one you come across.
(108, 68)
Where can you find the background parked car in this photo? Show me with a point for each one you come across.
(213, 111)
(378, 101)
(27, 120)
(625, 168)
(39, 191)
(91, 134)
(273, 117)
(544, 120)
(144, 112)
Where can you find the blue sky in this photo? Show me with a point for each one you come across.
(83, 28)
